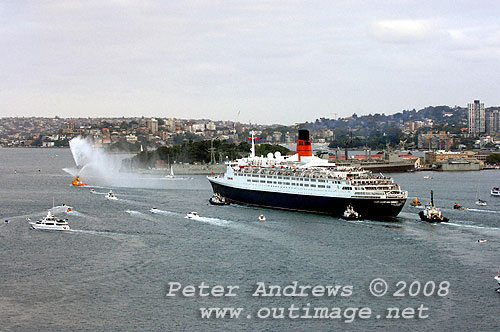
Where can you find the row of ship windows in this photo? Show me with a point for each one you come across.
(287, 178)
(290, 183)
(295, 184)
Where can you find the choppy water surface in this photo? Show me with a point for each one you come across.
(110, 273)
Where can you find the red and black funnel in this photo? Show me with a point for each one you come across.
(304, 144)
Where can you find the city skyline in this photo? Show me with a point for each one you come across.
(257, 61)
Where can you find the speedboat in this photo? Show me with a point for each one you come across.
(459, 207)
(193, 215)
(427, 177)
(497, 278)
(262, 218)
(77, 182)
(111, 195)
(480, 202)
(482, 240)
(495, 191)
(217, 199)
(350, 214)
(154, 210)
(92, 191)
(432, 213)
(50, 223)
(416, 203)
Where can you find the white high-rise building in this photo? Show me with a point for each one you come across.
(152, 125)
(476, 119)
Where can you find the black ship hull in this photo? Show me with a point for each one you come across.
(335, 206)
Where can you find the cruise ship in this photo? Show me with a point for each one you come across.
(303, 182)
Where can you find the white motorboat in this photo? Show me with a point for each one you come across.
(50, 223)
(92, 191)
(262, 218)
(111, 195)
(480, 202)
(495, 191)
(192, 215)
(154, 210)
(497, 278)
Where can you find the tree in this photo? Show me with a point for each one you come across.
(493, 158)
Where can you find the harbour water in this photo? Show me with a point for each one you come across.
(111, 271)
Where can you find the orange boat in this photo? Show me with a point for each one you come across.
(77, 182)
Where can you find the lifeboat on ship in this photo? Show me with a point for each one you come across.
(77, 182)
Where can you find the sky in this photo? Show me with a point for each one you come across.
(260, 61)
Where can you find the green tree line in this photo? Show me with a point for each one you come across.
(200, 152)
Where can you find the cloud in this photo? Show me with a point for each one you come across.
(401, 31)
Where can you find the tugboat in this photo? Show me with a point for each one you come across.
(350, 214)
(416, 203)
(77, 182)
(459, 207)
(111, 195)
(432, 213)
(217, 199)
(50, 223)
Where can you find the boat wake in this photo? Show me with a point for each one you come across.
(164, 212)
(472, 226)
(132, 212)
(107, 233)
(211, 221)
(481, 210)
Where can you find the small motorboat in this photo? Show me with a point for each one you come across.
(192, 215)
(427, 177)
(482, 240)
(217, 199)
(6, 221)
(495, 191)
(92, 191)
(154, 210)
(459, 207)
(431, 213)
(111, 195)
(416, 203)
(50, 223)
(350, 214)
(480, 202)
(77, 182)
(262, 218)
(497, 278)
